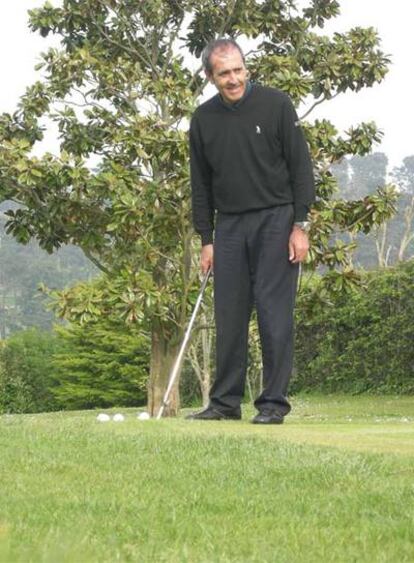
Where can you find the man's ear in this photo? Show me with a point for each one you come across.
(209, 76)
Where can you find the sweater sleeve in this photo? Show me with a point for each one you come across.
(202, 199)
(296, 154)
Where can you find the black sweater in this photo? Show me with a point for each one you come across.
(248, 156)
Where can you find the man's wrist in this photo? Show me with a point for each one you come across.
(302, 225)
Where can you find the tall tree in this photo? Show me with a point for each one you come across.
(358, 177)
(404, 178)
(121, 89)
(393, 240)
(367, 174)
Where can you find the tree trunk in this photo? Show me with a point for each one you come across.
(163, 355)
(166, 341)
(3, 311)
(207, 344)
(383, 252)
(407, 235)
(200, 354)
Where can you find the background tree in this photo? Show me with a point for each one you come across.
(367, 174)
(22, 269)
(404, 177)
(392, 241)
(121, 89)
(357, 177)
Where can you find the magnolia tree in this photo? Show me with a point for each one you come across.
(120, 89)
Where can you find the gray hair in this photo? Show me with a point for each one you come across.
(221, 44)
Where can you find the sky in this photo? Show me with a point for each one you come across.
(389, 104)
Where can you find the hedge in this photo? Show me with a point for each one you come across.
(363, 342)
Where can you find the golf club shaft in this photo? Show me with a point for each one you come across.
(177, 363)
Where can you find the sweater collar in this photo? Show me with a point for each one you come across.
(237, 104)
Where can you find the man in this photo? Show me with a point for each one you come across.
(250, 163)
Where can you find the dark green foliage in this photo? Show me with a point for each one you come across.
(26, 373)
(190, 393)
(106, 364)
(363, 342)
(100, 364)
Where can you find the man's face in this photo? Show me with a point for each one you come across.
(229, 75)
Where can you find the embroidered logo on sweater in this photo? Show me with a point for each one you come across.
(258, 130)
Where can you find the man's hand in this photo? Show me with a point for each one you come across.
(206, 258)
(298, 245)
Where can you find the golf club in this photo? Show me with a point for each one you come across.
(177, 363)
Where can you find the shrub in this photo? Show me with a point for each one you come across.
(26, 370)
(105, 364)
(363, 341)
(101, 364)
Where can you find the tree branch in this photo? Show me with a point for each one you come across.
(317, 103)
(169, 52)
(195, 74)
(95, 261)
(124, 47)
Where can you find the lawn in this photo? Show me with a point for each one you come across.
(334, 483)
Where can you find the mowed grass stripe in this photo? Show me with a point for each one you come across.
(397, 438)
(76, 490)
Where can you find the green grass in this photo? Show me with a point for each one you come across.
(334, 483)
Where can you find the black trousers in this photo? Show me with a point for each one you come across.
(252, 268)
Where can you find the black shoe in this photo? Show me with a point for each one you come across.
(213, 414)
(268, 416)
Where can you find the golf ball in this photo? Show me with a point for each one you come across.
(118, 417)
(143, 416)
(102, 417)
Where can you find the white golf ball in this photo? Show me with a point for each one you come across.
(102, 417)
(118, 417)
(143, 416)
